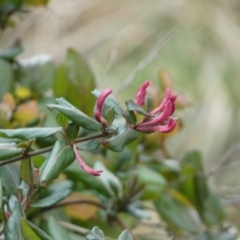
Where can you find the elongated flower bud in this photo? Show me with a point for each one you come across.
(164, 115)
(141, 93)
(101, 99)
(100, 103)
(84, 166)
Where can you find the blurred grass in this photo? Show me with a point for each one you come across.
(203, 58)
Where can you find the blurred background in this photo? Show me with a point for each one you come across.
(198, 42)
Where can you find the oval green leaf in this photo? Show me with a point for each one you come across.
(74, 81)
(56, 231)
(132, 106)
(12, 229)
(38, 231)
(61, 156)
(27, 232)
(125, 235)
(89, 146)
(175, 209)
(77, 117)
(53, 194)
(29, 133)
(10, 177)
(9, 150)
(154, 182)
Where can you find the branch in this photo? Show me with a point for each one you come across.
(123, 226)
(48, 149)
(76, 201)
(77, 229)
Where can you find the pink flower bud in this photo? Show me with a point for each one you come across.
(164, 115)
(160, 117)
(141, 93)
(101, 99)
(168, 97)
(84, 166)
(100, 104)
(160, 128)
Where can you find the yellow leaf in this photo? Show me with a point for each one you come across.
(9, 100)
(23, 93)
(81, 211)
(26, 113)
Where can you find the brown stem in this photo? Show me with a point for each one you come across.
(123, 226)
(48, 149)
(76, 201)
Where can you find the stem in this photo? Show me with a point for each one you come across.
(77, 201)
(123, 226)
(77, 229)
(48, 149)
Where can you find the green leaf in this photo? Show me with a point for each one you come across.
(74, 81)
(124, 136)
(62, 120)
(62, 101)
(195, 188)
(149, 103)
(111, 102)
(37, 73)
(53, 194)
(154, 182)
(176, 210)
(38, 231)
(95, 234)
(1, 194)
(89, 145)
(27, 232)
(27, 171)
(9, 150)
(110, 116)
(224, 235)
(213, 212)
(36, 3)
(7, 78)
(75, 173)
(77, 117)
(72, 131)
(56, 231)
(133, 210)
(11, 53)
(10, 177)
(125, 235)
(32, 232)
(29, 133)
(61, 156)
(12, 229)
(132, 106)
(109, 180)
(132, 117)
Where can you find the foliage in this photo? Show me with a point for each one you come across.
(124, 173)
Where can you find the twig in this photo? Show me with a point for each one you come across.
(77, 201)
(112, 60)
(48, 149)
(224, 163)
(123, 226)
(151, 56)
(77, 229)
(224, 159)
